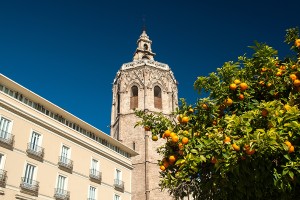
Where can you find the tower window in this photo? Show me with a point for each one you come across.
(145, 47)
(157, 97)
(134, 97)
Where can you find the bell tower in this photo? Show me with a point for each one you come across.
(148, 85)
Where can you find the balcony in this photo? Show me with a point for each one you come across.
(35, 150)
(29, 186)
(65, 163)
(61, 194)
(95, 175)
(91, 198)
(6, 139)
(119, 185)
(3, 178)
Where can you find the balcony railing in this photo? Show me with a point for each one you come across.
(95, 175)
(35, 150)
(29, 185)
(119, 184)
(6, 138)
(61, 194)
(2, 177)
(65, 162)
(91, 198)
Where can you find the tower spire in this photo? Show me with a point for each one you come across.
(143, 50)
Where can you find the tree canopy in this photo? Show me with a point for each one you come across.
(243, 140)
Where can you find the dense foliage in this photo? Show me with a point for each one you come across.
(241, 142)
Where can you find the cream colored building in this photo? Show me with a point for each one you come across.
(48, 153)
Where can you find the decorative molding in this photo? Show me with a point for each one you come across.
(142, 62)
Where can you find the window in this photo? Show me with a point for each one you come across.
(5, 126)
(92, 193)
(157, 97)
(117, 197)
(134, 97)
(118, 174)
(95, 167)
(35, 141)
(1, 161)
(29, 174)
(65, 154)
(61, 184)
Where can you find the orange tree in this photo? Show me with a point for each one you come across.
(243, 140)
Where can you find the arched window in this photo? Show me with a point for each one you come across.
(157, 97)
(134, 101)
(145, 57)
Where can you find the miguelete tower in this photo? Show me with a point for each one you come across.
(148, 85)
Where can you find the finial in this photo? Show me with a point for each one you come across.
(144, 23)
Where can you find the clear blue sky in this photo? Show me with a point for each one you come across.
(69, 51)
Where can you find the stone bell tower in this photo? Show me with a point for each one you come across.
(142, 84)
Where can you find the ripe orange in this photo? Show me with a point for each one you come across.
(214, 122)
(172, 159)
(172, 134)
(282, 67)
(297, 82)
(185, 119)
(241, 97)
(154, 137)
(227, 139)
(288, 143)
(236, 147)
(294, 67)
(180, 145)
(248, 151)
(147, 128)
(269, 84)
(166, 164)
(205, 106)
(291, 149)
(243, 86)
(175, 139)
(264, 69)
(237, 81)
(264, 112)
(232, 86)
(162, 168)
(228, 102)
(185, 140)
(167, 133)
(279, 73)
(262, 83)
(287, 107)
(297, 42)
(293, 77)
(191, 110)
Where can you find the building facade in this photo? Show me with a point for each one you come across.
(148, 85)
(48, 153)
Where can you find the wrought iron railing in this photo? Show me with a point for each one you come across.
(29, 184)
(65, 162)
(119, 184)
(61, 194)
(95, 174)
(3, 175)
(6, 138)
(35, 150)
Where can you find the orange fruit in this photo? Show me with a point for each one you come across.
(287, 107)
(162, 168)
(213, 160)
(172, 134)
(291, 149)
(185, 140)
(241, 97)
(163, 136)
(293, 77)
(294, 67)
(232, 86)
(228, 102)
(264, 69)
(279, 73)
(172, 159)
(243, 86)
(264, 112)
(237, 81)
(191, 110)
(205, 106)
(269, 84)
(236, 147)
(214, 123)
(166, 164)
(296, 82)
(185, 119)
(248, 151)
(227, 139)
(288, 143)
(175, 138)
(262, 83)
(297, 42)
(154, 137)
(180, 145)
(282, 67)
(167, 133)
(147, 128)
